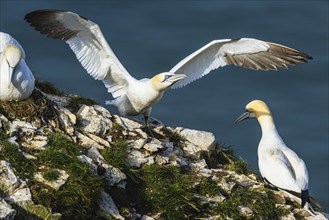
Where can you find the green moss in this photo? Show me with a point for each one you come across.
(228, 209)
(117, 154)
(60, 152)
(262, 203)
(77, 198)
(51, 174)
(158, 189)
(3, 135)
(41, 193)
(169, 191)
(48, 87)
(35, 107)
(11, 153)
(76, 101)
(208, 187)
(34, 212)
(239, 166)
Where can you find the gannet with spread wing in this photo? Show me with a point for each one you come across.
(134, 97)
(16, 79)
(278, 164)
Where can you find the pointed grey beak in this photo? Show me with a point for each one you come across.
(243, 117)
(176, 77)
(11, 70)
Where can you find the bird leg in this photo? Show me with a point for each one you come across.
(269, 185)
(147, 127)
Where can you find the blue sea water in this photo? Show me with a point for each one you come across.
(152, 36)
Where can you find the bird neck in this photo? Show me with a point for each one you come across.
(267, 124)
(156, 86)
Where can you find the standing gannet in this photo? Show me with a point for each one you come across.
(278, 164)
(16, 79)
(134, 97)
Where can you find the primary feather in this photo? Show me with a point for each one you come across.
(86, 40)
(244, 52)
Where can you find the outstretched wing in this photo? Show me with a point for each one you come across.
(244, 52)
(87, 42)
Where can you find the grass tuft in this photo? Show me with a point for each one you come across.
(239, 166)
(51, 174)
(117, 155)
(35, 107)
(208, 187)
(168, 191)
(48, 87)
(11, 153)
(225, 156)
(76, 101)
(262, 203)
(174, 137)
(77, 198)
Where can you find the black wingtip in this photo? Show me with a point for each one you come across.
(304, 197)
(39, 12)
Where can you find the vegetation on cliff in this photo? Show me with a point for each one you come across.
(164, 183)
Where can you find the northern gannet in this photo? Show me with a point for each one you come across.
(16, 79)
(134, 97)
(278, 164)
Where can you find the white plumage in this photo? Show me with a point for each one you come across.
(132, 96)
(278, 164)
(16, 79)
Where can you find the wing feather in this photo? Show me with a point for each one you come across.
(243, 52)
(87, 42)
(278, 170)
(299, 167)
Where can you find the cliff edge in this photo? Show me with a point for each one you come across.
(65, 157)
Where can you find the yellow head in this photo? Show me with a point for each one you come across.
(163, 81)
(258, 107)
(255, 109)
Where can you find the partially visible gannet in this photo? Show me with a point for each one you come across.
(278, 164)
(16, 79)
(134, 97)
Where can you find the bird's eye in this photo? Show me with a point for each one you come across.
(166, 77)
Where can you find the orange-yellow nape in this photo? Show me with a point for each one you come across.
(156, 82)
(13, 55)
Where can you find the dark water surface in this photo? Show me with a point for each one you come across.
(151, 37)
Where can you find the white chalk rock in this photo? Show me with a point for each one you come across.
(94, 119)
(107, 208)
(6, 211)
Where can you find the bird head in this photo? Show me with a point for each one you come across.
(163, 81)
(254, 109)
(13, 55)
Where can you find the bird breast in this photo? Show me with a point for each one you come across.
(21, 85)
(138, 99)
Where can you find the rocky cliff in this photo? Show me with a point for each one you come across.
(65, 157)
